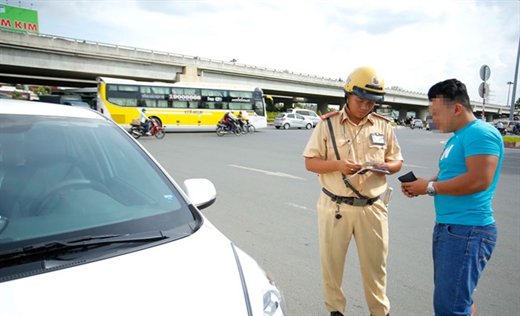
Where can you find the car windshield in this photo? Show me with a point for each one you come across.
(78, 103)
(62, 178)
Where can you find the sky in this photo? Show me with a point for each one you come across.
(412, 43)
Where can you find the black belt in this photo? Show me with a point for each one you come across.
(350, 200)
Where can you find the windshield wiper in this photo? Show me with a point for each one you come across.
(58, 246)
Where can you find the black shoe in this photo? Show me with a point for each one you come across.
(336, 313)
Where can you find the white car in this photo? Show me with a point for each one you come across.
(308, 114)
(291, 120)
(417, 123)
(92, 224)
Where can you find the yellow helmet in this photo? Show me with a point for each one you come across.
(366, 84)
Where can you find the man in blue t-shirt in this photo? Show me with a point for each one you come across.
(465, 234)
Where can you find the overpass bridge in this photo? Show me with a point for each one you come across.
(59, 61)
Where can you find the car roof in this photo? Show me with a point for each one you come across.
(43, 108)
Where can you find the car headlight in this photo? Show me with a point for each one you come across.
(274, 303)
(264, 295)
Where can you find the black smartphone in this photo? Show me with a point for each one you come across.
(409, 177)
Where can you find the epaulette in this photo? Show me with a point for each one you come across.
(389, 119)
(330, 114)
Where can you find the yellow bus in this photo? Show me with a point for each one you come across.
(179, 106)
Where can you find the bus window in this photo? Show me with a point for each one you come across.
(123, 101)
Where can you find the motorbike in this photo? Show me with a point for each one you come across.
(502, 131)
(224, 129)
(248, 127)
(157, 130)
(516, 129)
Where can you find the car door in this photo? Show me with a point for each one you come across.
(300, 119)
(291, 118)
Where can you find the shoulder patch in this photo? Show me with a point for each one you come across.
(386, 118)
(330, 114)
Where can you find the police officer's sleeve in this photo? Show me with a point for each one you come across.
(317, 144)
(393, 150)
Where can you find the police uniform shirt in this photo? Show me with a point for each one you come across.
(372, 140)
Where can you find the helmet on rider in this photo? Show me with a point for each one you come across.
(143, 110)
(365, 83)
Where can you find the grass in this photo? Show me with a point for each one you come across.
(511, 138)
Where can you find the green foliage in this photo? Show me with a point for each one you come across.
(517, 104)
(272, 115)
(16, 95)
(41, 90)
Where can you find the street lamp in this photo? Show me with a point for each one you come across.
(508, 91)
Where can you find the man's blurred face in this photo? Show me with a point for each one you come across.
(443, 114)
(358, 108)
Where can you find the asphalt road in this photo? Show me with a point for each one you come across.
(266, 204)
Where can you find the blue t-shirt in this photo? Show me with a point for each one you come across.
(476, 138)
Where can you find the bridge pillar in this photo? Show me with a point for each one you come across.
(323, 108)
(402, 114)
(421, 114)
(189, 74)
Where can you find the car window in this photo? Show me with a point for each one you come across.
(298, 116)
(290, 115)
(280, 115)
(73, 177)
(303, 112)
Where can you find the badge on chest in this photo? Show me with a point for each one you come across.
(377, 139)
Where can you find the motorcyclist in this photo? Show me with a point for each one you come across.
(500, 127)
(228, 120)
(241, 119)
(145, 122)
(516, 129)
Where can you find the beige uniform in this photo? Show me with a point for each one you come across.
(372, 140)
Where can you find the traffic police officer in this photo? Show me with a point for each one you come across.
(350, 203)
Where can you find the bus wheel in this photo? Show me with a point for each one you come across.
(157, 120)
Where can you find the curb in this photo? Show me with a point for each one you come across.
(511, 144)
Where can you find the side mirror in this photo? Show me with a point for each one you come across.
(201, 192)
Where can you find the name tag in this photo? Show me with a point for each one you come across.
(377, 139)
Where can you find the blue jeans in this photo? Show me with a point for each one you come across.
(460, 254)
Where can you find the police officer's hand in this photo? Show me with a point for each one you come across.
(414, 188)
(380, 166)
(349, 167)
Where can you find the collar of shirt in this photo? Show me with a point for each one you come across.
(344, 116)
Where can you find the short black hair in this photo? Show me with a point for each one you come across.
(451, 90)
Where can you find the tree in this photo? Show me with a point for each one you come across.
(16, 95)
(517, 104)
(41, 90)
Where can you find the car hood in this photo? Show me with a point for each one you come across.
(197, 275)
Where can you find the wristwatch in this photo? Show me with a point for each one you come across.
(430, 190)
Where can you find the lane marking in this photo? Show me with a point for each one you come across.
(299, 206)
(270, 173)
(414, 166)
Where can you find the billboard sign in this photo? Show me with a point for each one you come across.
(18, 19)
